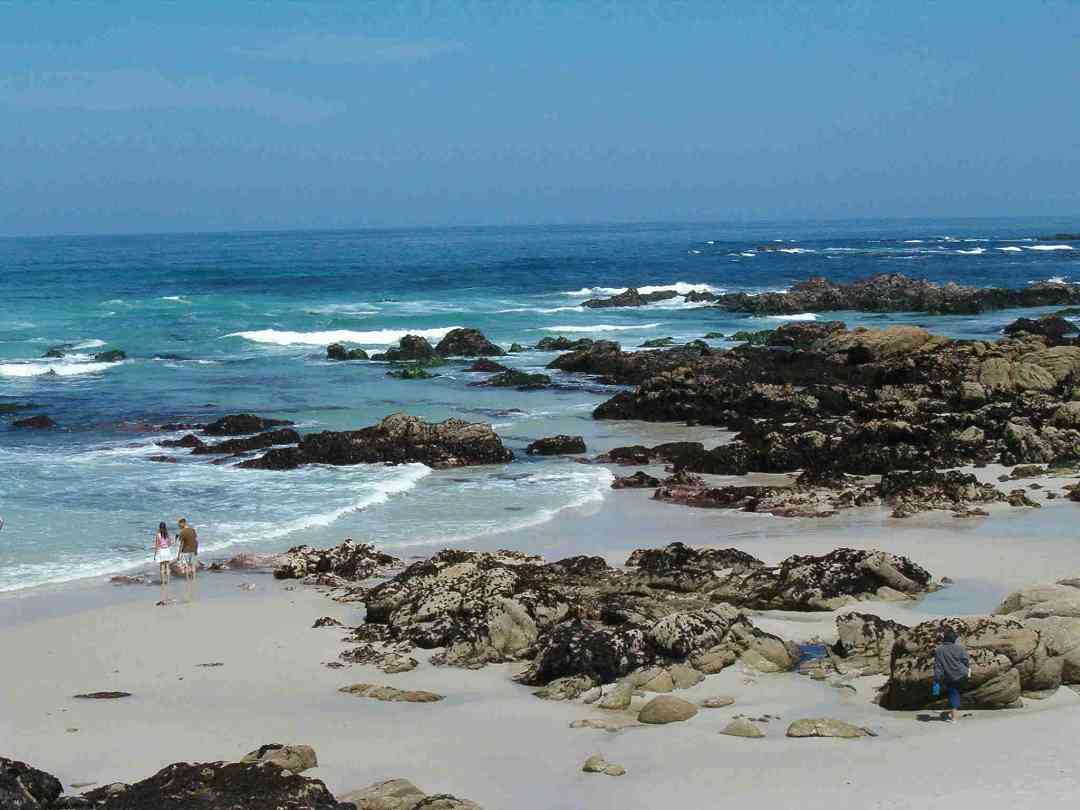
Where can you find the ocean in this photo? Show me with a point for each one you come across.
(226, 323)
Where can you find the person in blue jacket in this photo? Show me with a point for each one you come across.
(952, 668)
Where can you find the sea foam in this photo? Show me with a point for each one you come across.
(599, 327)
(378, 337)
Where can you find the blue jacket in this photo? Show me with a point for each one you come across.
(951, 663)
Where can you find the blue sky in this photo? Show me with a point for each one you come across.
(145, 116)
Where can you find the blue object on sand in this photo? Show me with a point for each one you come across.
(936, 689)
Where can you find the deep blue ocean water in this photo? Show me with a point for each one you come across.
(222, 323)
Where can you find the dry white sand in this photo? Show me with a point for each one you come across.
(490, 740)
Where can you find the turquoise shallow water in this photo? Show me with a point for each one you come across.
(221, 323)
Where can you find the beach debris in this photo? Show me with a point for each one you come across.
(666, 709)
(246, 586)
(392, 664)
(212, 664)
(401, 794)
(556, 446)
(613, 723)
(826, 727)
(389, 693)
(568, 688)
(130, 579)
(103, 695)
(742, 727)
(716, 702)
(326, 621)
(292, 758)
(597, 764)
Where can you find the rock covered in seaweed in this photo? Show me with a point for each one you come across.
(23, 787)
(350, 560)
(397, 439)
(217, 785)
(239, 424)
(338, 351)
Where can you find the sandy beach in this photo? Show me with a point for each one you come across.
(492, 741)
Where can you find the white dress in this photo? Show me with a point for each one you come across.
(162, 555)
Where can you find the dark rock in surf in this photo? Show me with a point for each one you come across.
(40, 422)
(411, 349)
(110, 356)
(260, 441)
(239, 424)
(1053, 327)
(190, 440)
(562, 344)
(630, 298)
(338, 351)
(639, 480)
(397, 439)
(467, 343)
(512, 378)
(487, 366)
(556, 446)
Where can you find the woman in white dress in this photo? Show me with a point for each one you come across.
(163, 557)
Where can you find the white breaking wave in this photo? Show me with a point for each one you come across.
(802, 316)
(175, 299)
(914, 241)
(361, 310)
(541, 310)
(973, 251)
(748, 253)
(1012, 249)
(680, 287)
(794, 250)
(60, 368)
(599, 327)
(1048, 247)
(89, 344)
(379, 337)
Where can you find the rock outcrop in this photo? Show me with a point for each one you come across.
(239, 424)
(1009, 658)
(861, 402)
(411, 349)
(350, 560)
(25, 788)
(338, 351)
(260, 441)
(630, 298)
(467, 343)
(556, 446)
(217, 785)
(397, 439)
(401, 794)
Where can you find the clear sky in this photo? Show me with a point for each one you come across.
(143, 116)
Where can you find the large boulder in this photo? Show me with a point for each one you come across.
(217, 786)
(865, 642)
(482, 607)
(411, 349)
(25, 788)
(630, 297)
(1007, 660)
(292, 758)
(397, 439)
(40, 422)
(585, 647)
(665, 709)
(467, 343)
(350, 560)
(1050, 326)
